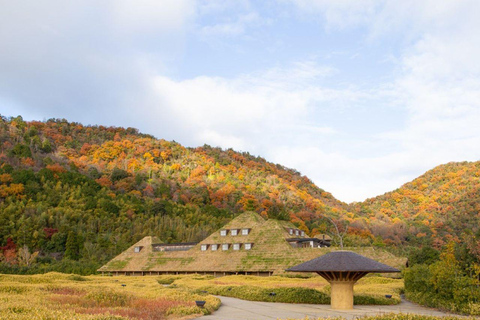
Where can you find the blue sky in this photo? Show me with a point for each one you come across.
(360, 96)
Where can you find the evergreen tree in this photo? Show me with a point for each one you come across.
(72, 247)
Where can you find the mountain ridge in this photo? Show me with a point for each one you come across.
(89, 192)
(63, 184)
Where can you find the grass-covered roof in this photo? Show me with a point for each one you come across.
(270, 251)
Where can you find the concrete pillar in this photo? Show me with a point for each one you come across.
(342, 294)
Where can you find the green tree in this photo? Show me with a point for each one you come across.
(72, 247)
(46, 146)
(119, 174)
(21, 151)
(426, 255)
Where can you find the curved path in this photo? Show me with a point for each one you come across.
(236, 309)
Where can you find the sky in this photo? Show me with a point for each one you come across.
(360, 96)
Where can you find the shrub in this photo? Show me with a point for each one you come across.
(362, 299)
(167, 279)
(287, 295)
(417, 278)
(76, 277)
(443, 286)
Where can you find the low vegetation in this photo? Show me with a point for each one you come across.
(63, 296)
(445, 282)
(369, 291)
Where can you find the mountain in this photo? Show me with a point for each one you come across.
(441, 205)
(89, 192)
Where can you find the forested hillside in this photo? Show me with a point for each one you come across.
(85, 193)
(440, 206)
(88, 192)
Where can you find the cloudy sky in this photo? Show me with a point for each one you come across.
(360, 96)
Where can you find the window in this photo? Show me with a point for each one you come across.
(236, 246)
(214, 247)
(245, 232)
(234, 232)
(225, 246)
(296, 232)
(303, 233)
(223, 232)
(247, 246)
(137, 249)
(290, 231)
(204, 247)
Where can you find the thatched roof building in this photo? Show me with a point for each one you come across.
(248, 244)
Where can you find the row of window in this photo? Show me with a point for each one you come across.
(296, 232)
(235, 232)
(226, 246)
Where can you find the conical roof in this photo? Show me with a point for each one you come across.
(342, 261)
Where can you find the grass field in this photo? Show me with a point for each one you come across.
(61, 296)
(369, 290)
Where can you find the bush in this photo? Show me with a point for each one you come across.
(76, 277)
(417, 278)
(64, 266)
(167, 279)
(287, 295)
(442, 285)
(374, 300)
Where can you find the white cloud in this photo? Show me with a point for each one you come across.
(232, 28)
(62, 58)
(140, 16)
(275, 114)
(439, 87)
(349, 179)
(339, 13)
(382, 17)
(110, 63)
(251, 111)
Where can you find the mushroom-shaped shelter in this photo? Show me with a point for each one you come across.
(342, 269)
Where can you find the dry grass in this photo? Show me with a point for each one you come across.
(58, 296)
(371, 288)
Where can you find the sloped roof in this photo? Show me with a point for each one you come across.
(270, 251)
(342, 261)
(129, 260)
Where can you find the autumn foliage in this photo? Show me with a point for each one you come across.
(112, 186)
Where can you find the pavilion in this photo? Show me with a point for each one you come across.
(342, 269)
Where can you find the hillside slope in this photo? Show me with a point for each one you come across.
(441, 205)
(88, 192)
(91, 191)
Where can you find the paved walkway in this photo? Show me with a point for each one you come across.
(236, 309)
